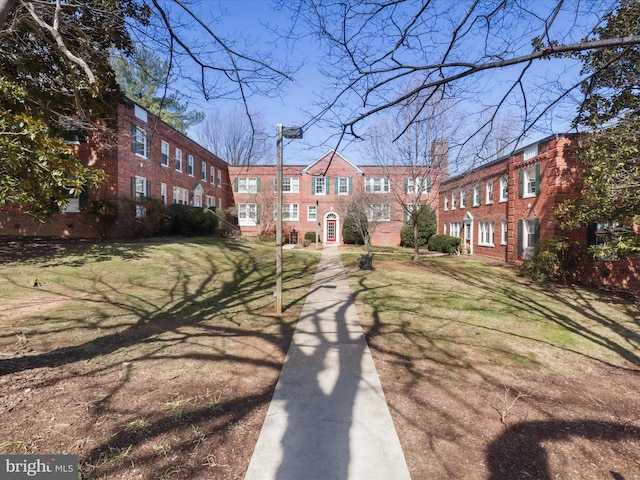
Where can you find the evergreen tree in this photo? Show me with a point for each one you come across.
(146, 79)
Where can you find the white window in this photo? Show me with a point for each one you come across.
(140, 113)
(191, 165)
(319, 185)
(530, 152)
(417, 185)
(140, 142)
(503, 235)
(446, 203)
(489, 192)
(220, 203)
(376, 185)
(203, 171)
(247, 185)
(379, 212)
(504, 189)
(485, 233)
(312, 213)
(219, 177)
(73, 205)
(211, 201)
(290, 212)
(178, 160)
(463, 199)
(197, 199)
(247, 214)
(455, 228)
(453, 200)
(529, 237)
(164, 154)
(213, 175)
(343, 186)
(180, 195)
(444, 228)
(476, 196)
(140, 186)
(290, 185)
(529, 181)
(163, 192)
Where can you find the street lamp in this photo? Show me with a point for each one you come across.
(286, 132)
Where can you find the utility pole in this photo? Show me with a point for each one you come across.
(286, 132)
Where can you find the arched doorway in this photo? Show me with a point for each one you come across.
(331, 228)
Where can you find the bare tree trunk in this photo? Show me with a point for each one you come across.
(5, 7)
(416, 244)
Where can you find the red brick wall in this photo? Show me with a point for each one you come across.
(619, 274)
(332, 166)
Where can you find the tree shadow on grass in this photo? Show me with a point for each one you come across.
(520, 452)
(214, 297)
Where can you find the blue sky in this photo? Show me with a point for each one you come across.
(251, 20)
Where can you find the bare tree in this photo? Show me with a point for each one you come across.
(418, 158)
(230, 136)
(478, 51)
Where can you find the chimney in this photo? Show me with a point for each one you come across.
(440, 158)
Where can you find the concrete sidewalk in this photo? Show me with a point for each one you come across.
(328, 418)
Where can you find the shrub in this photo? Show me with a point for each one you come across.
(310, 236)
(444, 243)
(427, 227)
(192, 221)
(152, 217)
(351, 234)
(554, 258)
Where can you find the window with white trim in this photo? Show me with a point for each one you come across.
(220, 203)
(247, 185)
(180, 195)
(485, 234)
(312, 213)
(446, 203)
(319, 185)
(219, 177)
(503, 233)
(164, 154)
(191, 165)
(455, 228)
(504, 189)
(212, 171)
(453, 200)
(178, 160)
(140, 142)
(417, 185)
(529, 181)
(247, 214)
(343, 185)
(211, 201)
(477, 195)
(290, 185)
(377, 185)
(203, 170)
(379, 212)
(463, 198)
(489, 193)
(290, 212)
(163, 192)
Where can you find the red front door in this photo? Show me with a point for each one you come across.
(331, 230)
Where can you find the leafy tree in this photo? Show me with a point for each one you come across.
(426, 226)
(38, 170)
(610, 152)
(145, 78)
(55, 79)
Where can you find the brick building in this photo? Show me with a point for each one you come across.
(145, 157)
(316, 197)
(503, 208)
